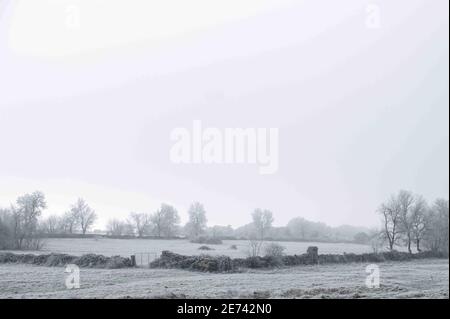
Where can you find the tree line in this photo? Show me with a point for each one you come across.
(163, 223)
(21, 225)
(407, 220)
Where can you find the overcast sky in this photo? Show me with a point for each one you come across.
(91, 89)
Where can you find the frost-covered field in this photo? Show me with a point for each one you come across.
(417, 279)
(127, 247)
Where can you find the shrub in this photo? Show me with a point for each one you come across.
(199, 263)
(205, 248)
(274, 250)
(254, 248)
(274, 254)
(206, 240)
(234, 247)
(55, 260)
(207, 263)
(254, 262)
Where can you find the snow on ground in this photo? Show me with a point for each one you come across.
(415, 279)
(127, 247)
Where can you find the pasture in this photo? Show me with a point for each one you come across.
(427, 278)
(127, 247)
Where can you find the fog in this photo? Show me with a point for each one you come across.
(90, 94)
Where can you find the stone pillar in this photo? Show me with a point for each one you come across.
(133, 260)
(313, 255)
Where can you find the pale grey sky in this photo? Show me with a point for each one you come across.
(90, 91)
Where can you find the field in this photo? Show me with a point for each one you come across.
(418, 279)
(414, 279)
(153, 248)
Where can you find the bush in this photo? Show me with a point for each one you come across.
(60, 260)
(234, 247)
(205, 248)
(207, 263)
(254, 248)
(199, 263)
(207, 240)
(254, 262)
(274, 250)
(274, 254)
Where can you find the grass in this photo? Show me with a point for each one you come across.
(415, 279)
(426, 278)
(127, 247)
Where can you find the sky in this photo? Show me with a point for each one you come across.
(90, 91)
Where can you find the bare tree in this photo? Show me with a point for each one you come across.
(140, 222)
(6, 229)
(437, 231)
(116, 227)
(254, 247)
(170, 220)
(376, 241)
(262, 222)
(419, 220)
(84, 215)
(390, 212)
(406, 201)
(51, 225)
(25, 220)
(157, 222)
(165, 221)
(68, 222)
(197, 220)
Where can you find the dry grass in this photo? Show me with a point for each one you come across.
(127, 247)
(415, 279)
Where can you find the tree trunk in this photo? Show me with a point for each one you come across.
(391, 245)
(409, 243)
(418, 245)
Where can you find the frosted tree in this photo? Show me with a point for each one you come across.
(437, 232)
(406, 201)
(84, 215)
(68, 222)
(51, 225)
(262, 222)
(197, 220)
(171, 219)
(419, 220)
(140, 222)
(391, 214)
(116, 227)
(165, 221)
(25, 219)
